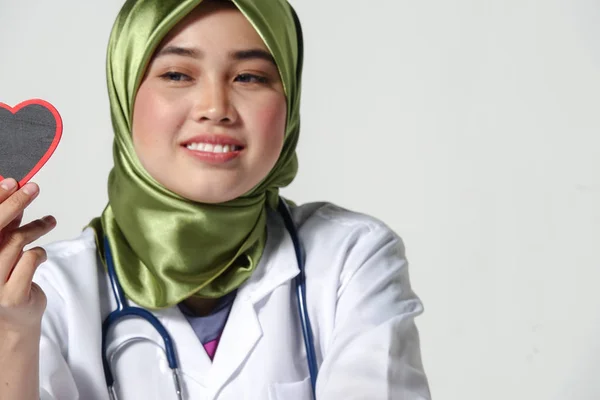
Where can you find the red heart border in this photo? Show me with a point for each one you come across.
(55, 141)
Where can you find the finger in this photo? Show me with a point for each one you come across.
(15, 223)
(12, 246)
(7, 187)
(12, 225)
(16, 203)
(37, 292)
(17, 290)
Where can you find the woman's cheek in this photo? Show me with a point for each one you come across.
(143, 114)
(155, 116)
(272, 119)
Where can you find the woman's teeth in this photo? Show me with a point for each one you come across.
(213, 148)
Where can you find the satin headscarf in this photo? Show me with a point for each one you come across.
(166, 248)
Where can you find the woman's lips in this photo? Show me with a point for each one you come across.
(213, 149)
(214, 139)
(212, 157)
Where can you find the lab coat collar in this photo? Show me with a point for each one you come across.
(243, 330)
(277, 264)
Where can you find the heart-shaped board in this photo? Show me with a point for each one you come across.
(29, 134)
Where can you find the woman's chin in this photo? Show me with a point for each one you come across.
(203, 193)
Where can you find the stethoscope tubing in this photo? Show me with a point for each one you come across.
(300, 280)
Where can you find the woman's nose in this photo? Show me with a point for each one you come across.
(213, 103)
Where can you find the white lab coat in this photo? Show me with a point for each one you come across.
(360, 304)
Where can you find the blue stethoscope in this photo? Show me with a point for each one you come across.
(124, 310)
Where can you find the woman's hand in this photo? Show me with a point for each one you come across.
(22, 302)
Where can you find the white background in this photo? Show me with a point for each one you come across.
(471, 127)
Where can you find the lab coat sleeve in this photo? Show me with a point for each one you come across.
(374, 352)
(56, 379)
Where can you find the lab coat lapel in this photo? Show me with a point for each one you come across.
(193, 360)
(239, 337)
(243, 329)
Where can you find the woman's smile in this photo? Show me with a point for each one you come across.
(214, 149)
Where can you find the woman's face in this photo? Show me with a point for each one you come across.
(210, 114)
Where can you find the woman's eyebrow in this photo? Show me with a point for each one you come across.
(252, 54)
(180, 51)
(196, 53)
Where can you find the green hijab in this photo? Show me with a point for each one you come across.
(167, 248)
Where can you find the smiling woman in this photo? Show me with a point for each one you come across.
(247, 296)
(200, 97)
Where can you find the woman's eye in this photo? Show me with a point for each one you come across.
(251, 78)
(175, 76)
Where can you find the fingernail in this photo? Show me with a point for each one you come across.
(30, 189)
(49, 219)
(8, 184)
